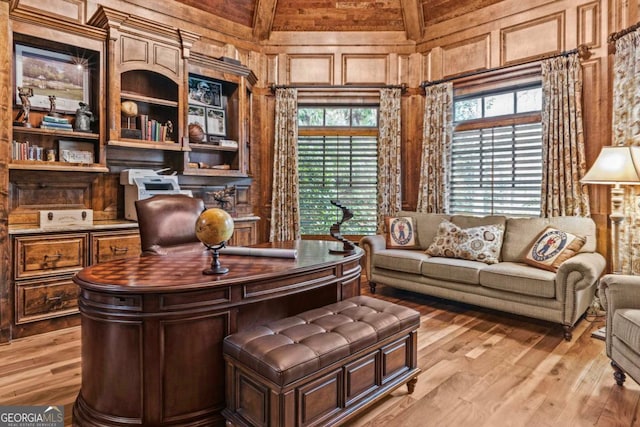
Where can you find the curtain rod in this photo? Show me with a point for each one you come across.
(613, 37)
(403, 86)
(582, 50)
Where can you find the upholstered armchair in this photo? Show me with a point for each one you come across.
(620, 295)
(167, 223)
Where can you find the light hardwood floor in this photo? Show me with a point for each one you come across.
(479, 368)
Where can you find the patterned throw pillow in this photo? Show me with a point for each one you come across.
(482, 243)
(553, 247)
(400, 232)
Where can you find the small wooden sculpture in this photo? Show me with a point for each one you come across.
(347, 246)
(24, 93)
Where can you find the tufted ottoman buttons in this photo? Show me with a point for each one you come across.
(321, 365)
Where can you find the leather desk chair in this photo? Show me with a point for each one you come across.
(167, 223)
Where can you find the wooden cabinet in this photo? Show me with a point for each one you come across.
(45, 297)
(147, 69)
(49, 140)
(223, 150)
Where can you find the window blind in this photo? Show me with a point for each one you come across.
(337, 168)
(497, 170)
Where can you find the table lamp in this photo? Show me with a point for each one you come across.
(615, 165)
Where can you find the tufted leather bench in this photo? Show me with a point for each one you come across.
(321, 366)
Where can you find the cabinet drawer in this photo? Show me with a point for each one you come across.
(109, 246)
(42, 299)
(46, 255)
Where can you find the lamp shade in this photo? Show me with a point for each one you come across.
(615, 165)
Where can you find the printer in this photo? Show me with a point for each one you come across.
(141, 184)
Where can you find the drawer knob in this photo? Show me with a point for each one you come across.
(116, 250)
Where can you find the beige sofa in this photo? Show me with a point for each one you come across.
(509, 285)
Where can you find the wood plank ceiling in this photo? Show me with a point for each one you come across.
(411, 16)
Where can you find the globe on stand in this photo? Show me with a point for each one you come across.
(214, 227)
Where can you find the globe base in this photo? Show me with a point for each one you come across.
(215, 268)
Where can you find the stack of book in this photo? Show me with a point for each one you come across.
(51, 122)
(151, 129)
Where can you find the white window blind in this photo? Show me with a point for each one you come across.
(497, 170)
(340, 168)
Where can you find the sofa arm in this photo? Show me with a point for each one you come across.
(619, 291)
(582, 270)
(371, 244)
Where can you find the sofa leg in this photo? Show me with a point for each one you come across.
(372, 287)
(568, 332)
(411, 385)
(618, 373)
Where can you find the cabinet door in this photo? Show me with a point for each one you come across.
(112, 245)
(38, 256)
(244, 234)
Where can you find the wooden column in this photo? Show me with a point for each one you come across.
(6, 92)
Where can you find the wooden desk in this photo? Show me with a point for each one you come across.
(152, 327)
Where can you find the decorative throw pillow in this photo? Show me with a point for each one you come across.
(482, 243)
(552, 247)
(400, 232)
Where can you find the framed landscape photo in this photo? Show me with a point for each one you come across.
(51, 74)
(205, 92)
(216, 122)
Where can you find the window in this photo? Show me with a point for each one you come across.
(496, 155)
(337, 160)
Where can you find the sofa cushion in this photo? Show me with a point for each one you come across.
(468, 221)
(426, 225)
(453, 270)
(400, 232)
(400, 260)
(552, 248)
(521, 232)
(626, 324)
(481, 243)
(519, 278)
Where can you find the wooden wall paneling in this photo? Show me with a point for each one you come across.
(597, 135)
(522, 42)
(365, 69)
(70, 10)
(589, 16)
(263, 162)
(271, 72)
(467, 55)
(6, 119)
(412, 118)
(310, 69)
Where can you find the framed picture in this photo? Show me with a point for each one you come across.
(216, 124)
(196, 114)
(48, 74)
(205, 92)
(76, 152)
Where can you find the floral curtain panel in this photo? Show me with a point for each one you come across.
(433, 191)
(563, 154)
(626, 131)
(285, 209)
(389, 188)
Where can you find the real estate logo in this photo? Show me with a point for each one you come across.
(32, 416)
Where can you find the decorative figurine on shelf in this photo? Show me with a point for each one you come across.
(84, 117)
(169, 126)
(224, 197)
(347, 246)
(24, 93)
(52, 106)
(213, 228)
